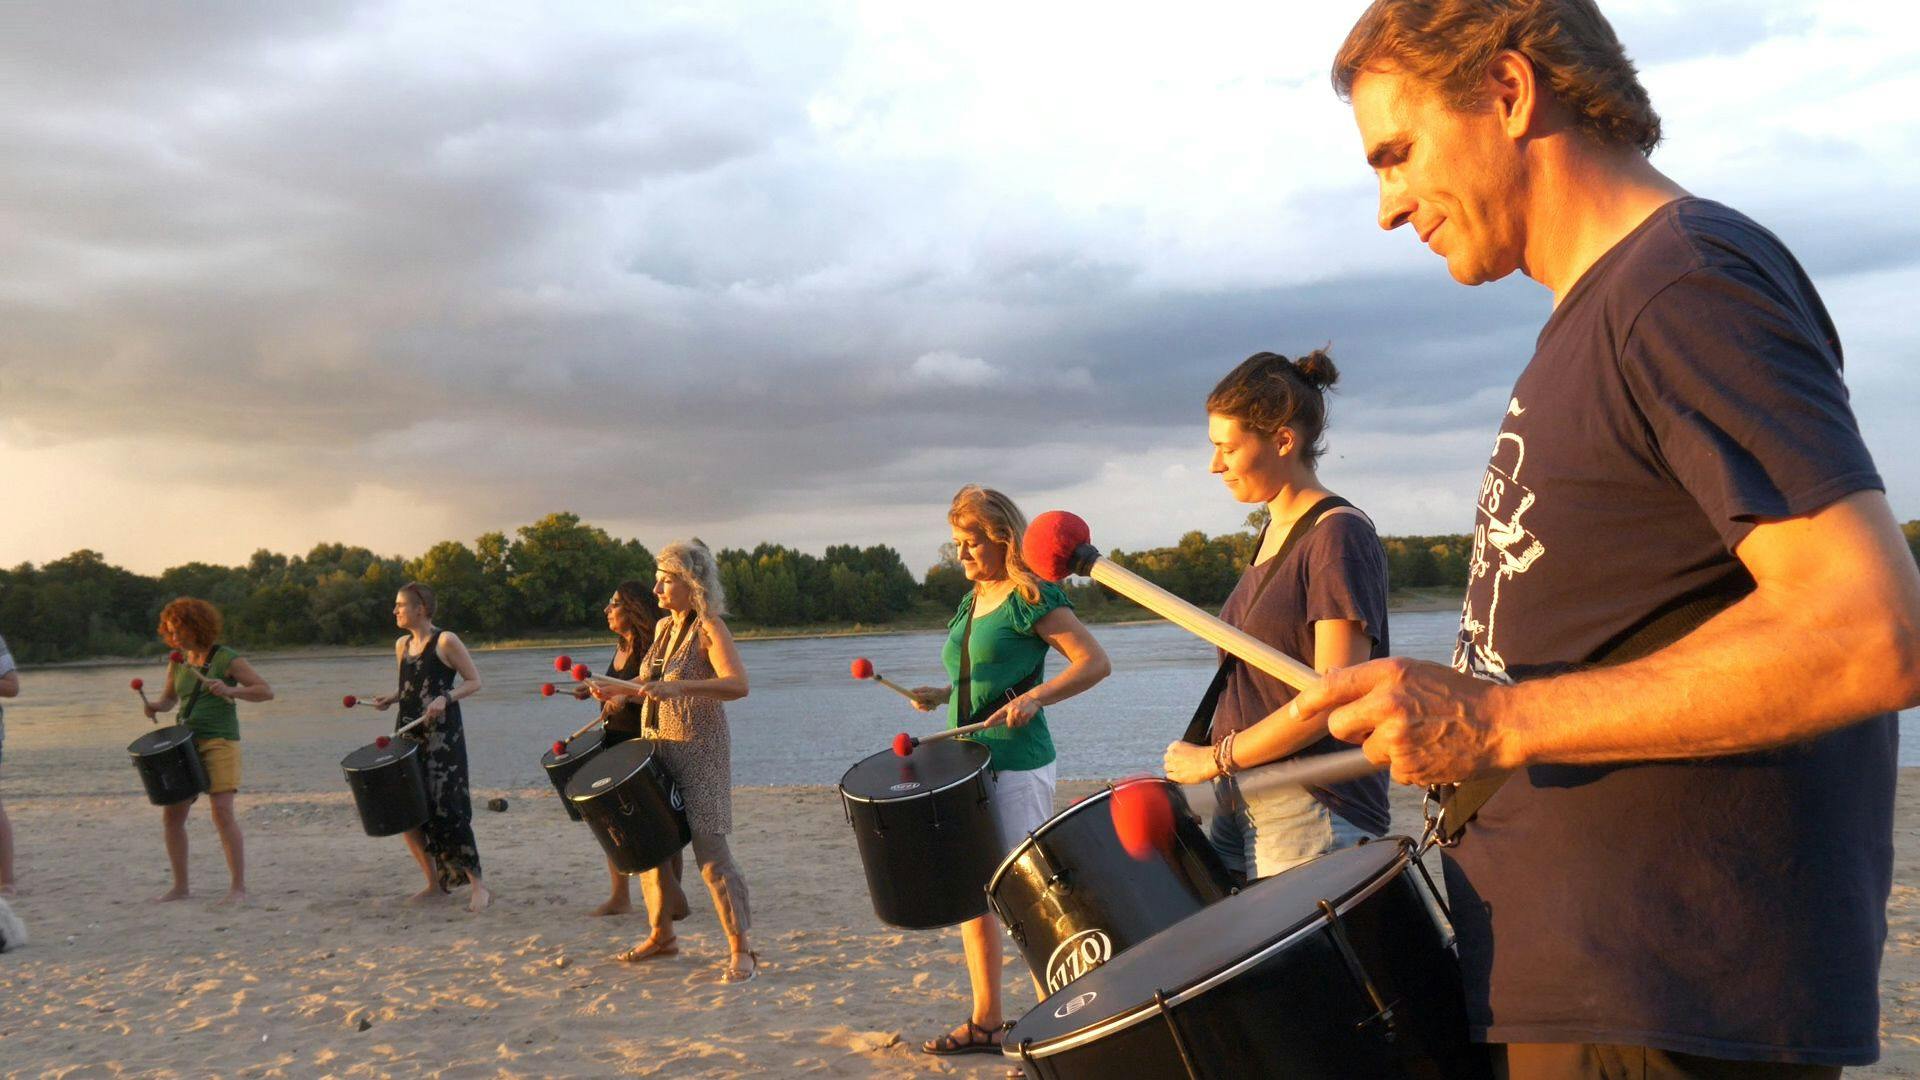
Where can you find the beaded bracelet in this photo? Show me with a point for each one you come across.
(1223, 755)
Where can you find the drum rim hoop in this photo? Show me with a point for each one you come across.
(653, 751)
(985, 766)
(185, 740)
(1144, 1011)
(1106, 792)
(548, 761)
(408, 745)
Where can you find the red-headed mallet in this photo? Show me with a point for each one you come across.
(862, 668)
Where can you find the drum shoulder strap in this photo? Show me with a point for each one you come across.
(193, 696)
(1683, 617)
(1199, 729)
(963, 686)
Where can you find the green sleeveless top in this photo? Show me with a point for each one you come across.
(207, 716)
(1003, 650)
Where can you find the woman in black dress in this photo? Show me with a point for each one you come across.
(632, 614)
(429, 658)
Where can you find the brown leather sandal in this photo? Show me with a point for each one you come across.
(979, 1040)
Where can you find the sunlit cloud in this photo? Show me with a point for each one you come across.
(388, 274)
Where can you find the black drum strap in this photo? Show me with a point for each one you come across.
(679, 636)
(1459, 804)
(963, 686)
(1199, 729)
(193, 698)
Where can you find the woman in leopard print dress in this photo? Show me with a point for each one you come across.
(691, 669)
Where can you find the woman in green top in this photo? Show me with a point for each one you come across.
(206, 706)
(1007, 622)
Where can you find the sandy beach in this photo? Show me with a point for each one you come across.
(328, 974)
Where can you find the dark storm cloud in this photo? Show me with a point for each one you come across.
(630, 273)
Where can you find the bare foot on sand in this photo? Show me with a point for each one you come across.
(613, 907)
(478, 898)
(234, 898)
(425, 896)
(178, 892)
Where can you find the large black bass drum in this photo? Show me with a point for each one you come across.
(626, 796)
(1072, 898)
(578, 751)
(169, 765)
(924, 824)
(389, 786)
(1338, 968)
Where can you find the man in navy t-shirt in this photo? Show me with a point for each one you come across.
(1686, 873)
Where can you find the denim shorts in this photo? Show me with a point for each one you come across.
(1276, 829)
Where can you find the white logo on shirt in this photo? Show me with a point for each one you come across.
(1502, 548)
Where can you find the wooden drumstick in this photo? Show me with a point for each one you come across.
(1143, 818)
(1315, 770)
(904, 743)
(402, 730)
(1057, 544)
(863, 669)
(140, 687)
(600, 719)
(179, 659)
(583, 673)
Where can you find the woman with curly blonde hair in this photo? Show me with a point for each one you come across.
(205, 685)
(691, 668)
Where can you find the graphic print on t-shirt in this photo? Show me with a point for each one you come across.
(1502, 547)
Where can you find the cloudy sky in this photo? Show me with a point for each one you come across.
(278, 273)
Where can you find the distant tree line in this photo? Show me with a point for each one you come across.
(554, 575)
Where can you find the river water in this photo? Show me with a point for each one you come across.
(805, 722)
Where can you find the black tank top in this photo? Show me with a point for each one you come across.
(423, 678)
(625, 720)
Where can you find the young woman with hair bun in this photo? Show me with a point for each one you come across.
(1317, 590)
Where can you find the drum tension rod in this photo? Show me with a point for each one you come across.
(1012, 925)
(1383, 1014)
(1055, 875)
(1173, 1028)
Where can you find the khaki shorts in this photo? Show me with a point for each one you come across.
(222, 760)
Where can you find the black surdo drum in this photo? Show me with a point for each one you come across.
(169, 765)
(925, 827)
(626, 796)
(1337, 968)
(389, 786)
(561, 767)
(1072, 897)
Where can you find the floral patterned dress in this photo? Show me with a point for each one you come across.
(443, 756)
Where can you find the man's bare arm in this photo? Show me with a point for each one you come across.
(1830, 636)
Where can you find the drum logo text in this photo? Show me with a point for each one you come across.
(1076, 956)
(907, 785)
(1075, 1005)
(673, 798)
